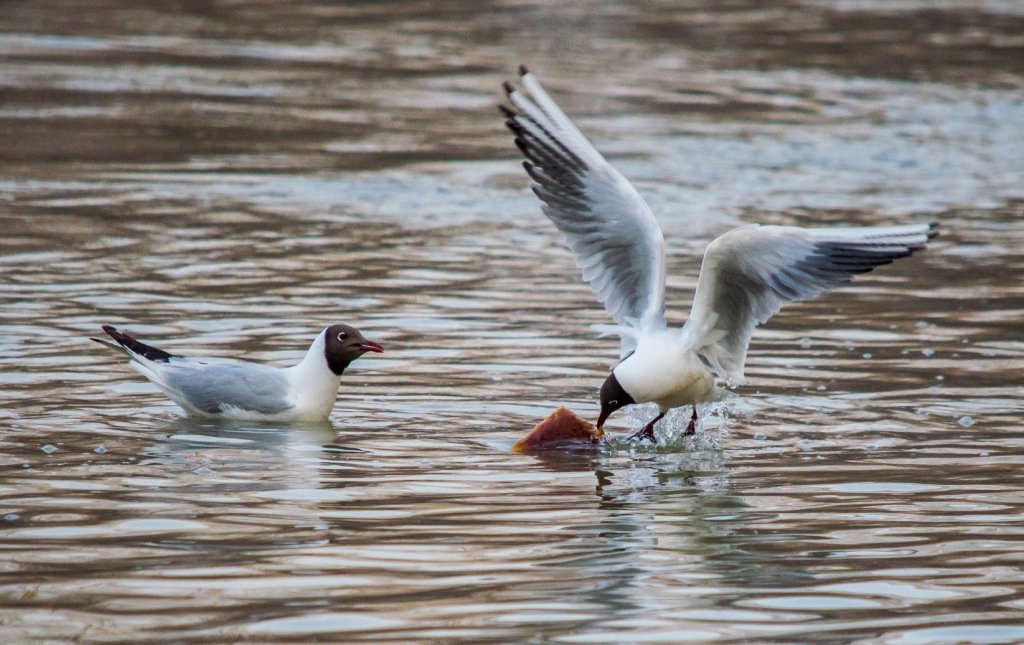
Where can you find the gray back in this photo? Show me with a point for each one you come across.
(212, 388)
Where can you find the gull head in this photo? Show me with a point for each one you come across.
(613, 397)
(344, 344)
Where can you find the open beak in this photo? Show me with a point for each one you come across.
(370, 346)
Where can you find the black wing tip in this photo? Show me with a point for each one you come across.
(508, 87)
(531, 170)
(136, 346)
(933, 230)
(122, 338)
(507, 112)
(112, 332)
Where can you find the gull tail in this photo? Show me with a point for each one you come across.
(133, 348)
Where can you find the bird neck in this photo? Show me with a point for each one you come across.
(313, 367)
(337, 365)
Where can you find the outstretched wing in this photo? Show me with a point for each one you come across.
(750, 272)
(609, 227)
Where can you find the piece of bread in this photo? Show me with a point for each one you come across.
(560, 428)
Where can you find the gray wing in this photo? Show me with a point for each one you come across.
(609, 227)
(750, 272)
(214, 388)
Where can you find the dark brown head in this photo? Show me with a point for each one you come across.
(344, 344)
(613, 397)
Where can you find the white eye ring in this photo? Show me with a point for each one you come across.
(342, 335)
(613, 402)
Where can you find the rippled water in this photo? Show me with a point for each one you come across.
(224, 179)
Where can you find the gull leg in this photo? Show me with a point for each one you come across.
(648, 431)
(692, 427)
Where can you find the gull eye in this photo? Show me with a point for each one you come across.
(613, 402)
(342, 336)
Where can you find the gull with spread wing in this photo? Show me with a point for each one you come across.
(746, 276)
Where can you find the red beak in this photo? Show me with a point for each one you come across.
(370, 346)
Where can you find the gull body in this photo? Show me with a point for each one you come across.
(663, 370)
(747, 274)
(250, 391)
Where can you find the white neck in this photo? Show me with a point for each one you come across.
(313, 385)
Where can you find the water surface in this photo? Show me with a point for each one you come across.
(224, 180)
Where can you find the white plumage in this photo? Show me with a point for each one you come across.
(250, 391)
(746, 276)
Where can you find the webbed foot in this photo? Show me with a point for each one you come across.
(648, 431)
(692, 427)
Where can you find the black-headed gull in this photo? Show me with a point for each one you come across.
(745, 278)
(236, 390)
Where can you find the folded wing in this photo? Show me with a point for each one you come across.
(215, 388)
(750, 272)
(609, 227)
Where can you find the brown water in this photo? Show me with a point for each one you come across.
(224, 179)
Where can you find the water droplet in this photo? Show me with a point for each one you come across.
(100, 450)
(805, 343)
(821, 388)
(965, 421)
(866, 355)
(983, 453)
(940, 377)
(927, 352)
(922, 412)
(10, 517)
(49, 448)
(760, 436)
(203, 470)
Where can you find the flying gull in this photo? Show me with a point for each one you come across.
(746, 276)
